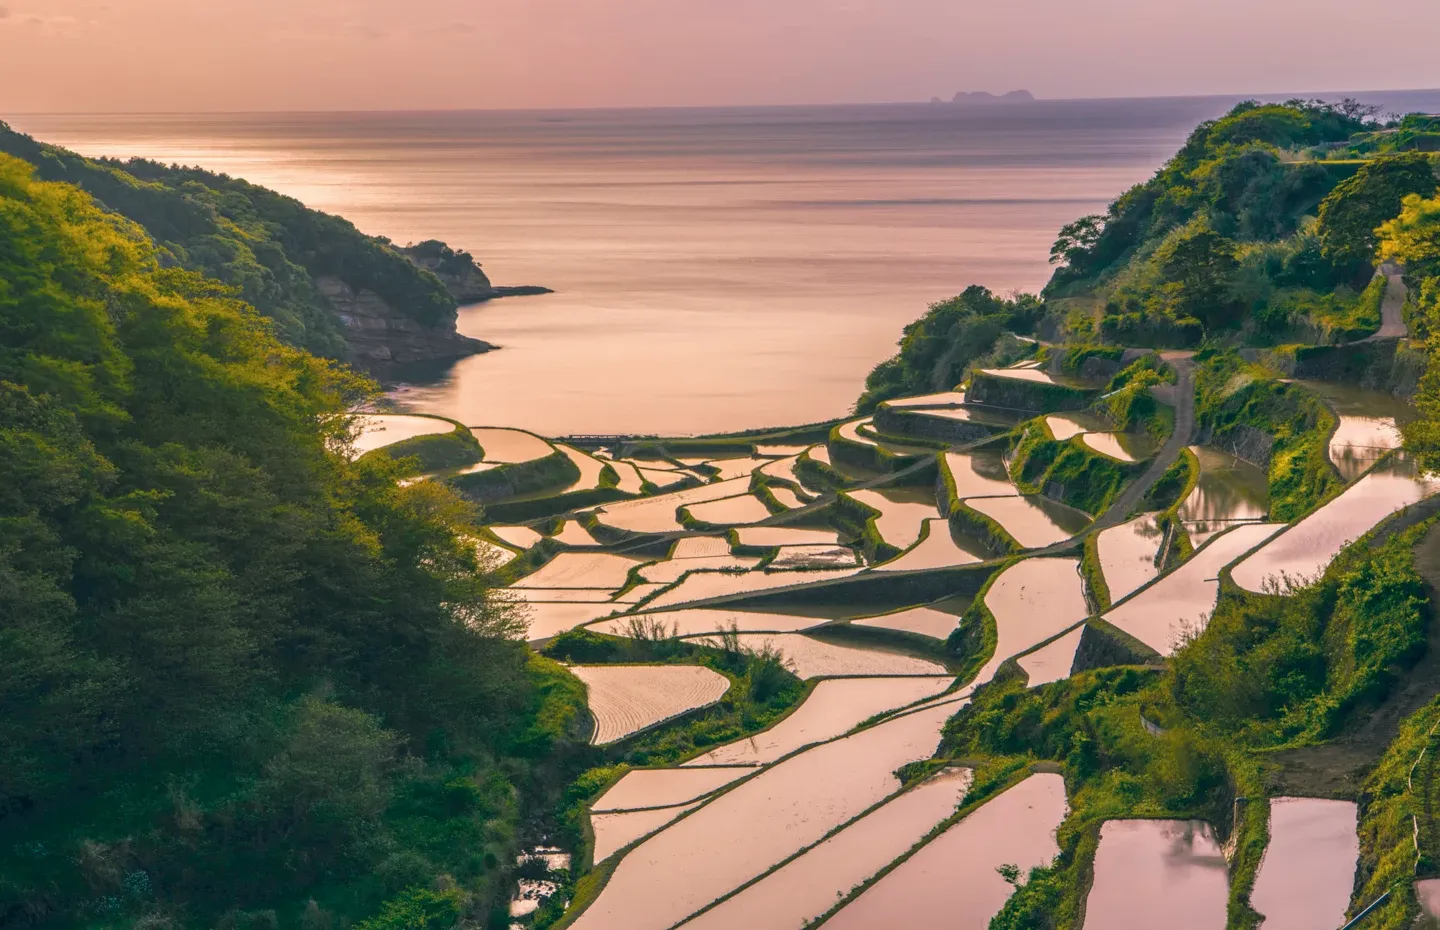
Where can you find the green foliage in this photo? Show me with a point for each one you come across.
(437, 451)
(259, 676)
(936, 349)
(418, 909)
(1357, 206)
(265, 248)
(1086, 479)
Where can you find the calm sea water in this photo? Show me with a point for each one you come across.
(714, 269)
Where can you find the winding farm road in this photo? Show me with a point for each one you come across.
(1131, 497)
(1392, 308)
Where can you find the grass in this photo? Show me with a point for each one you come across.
(436, 451)
(1070, 471)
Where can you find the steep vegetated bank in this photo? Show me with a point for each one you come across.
(329, 288)
(247, 681)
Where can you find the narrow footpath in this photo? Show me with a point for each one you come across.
(1392, 308)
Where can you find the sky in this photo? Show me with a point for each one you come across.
(225, 55)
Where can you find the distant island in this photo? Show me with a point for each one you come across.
(980, 96)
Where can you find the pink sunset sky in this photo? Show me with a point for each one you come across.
(163, 55)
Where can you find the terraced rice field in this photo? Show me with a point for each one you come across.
(979, 474)
(779, 451)
(1020, 374)
(1127, 554)
(551, 619)
(835, 707)
(717, 848)
(952, 881)
(1308, 870)
(1064, 426)
(1179, 604)
(942, 399)
(582, 570)
(670, 570)
(921, 621)
(642, 788)
(510, 446)
(786, 497)
(491, 556)
(820, 453)
(614, 832)
(699, 547)
(626, 699)
(1229, 491)
(1360, 442)
(1032, 601)
(741, 510)
(783, 469)
(590, 469)
(378, 430)
(700, 620)
(705, 585)
(903, 512)
(573, 533)
(1034, 522)
(1051, 662)
(785, 536)
(663, 480)
(1305, 550)
(813, 658)
(555, 595)
(658, 514)
(806, 887)
(938, 548)
(638, 593)
(630, 480)
(802, 557)
(521, 537)
(1108, 444)
(1157, 873)
(737, 468)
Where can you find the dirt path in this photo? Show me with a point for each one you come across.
(1131, 497)
(1392, 308)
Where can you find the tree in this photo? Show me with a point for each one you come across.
(1197, 266)
(1351, 214)
(1076, 240)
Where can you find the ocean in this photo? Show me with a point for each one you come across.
(714, 269)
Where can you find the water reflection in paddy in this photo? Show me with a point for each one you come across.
(752, 828)
(658, 514)
(921, 621)
(700, 586)
(1308, 870)
(1053, 661)
(378, 430)
(510, 445)
(730, 511)
(641, 788)
(785, 536)
(697, 621)
(1127, 554)
(582, 570)
(833, 708)
(806, 887)
(809, 657)
(979, 474)
(1032, 601)
(1158, 873)
(1034, 522)
(952, 882)
(903, 512)
(1303, 551)
(940, 547)
(614, 832)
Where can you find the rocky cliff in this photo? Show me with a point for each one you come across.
(378, 337)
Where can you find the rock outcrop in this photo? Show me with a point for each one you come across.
(461, 274)
(378, 336)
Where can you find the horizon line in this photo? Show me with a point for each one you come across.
(977, 105)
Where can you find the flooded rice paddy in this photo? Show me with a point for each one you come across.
(920, 621)
(942, 399)
(590, 469)
(717, 847)
(1113, 445)
(835, 707)
(378, 430)
(1308, 870)
(1127, 554)
(803, 889)
(802, 557)
(1302, 553)
(1157, 873)
(1165, 614)
(1229, 491)
(700, 586)
(510, 446)
(659, 514)
(939, 547)
(1053, 661)
(697, 621)
(573, 533)
(1065, 426)
(614, 832)
(582, 570)
(642, 788)
(808, 657)
(625, 699)
(786, 497)
(979, 474)
(671, 570)
(1032, 601)
(730, 511)
(1021, 374)
(785, 536)
(952, 881)
(521, 537)
(1034, 522)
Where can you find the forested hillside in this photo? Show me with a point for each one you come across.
(281, 257)
(246, 680)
